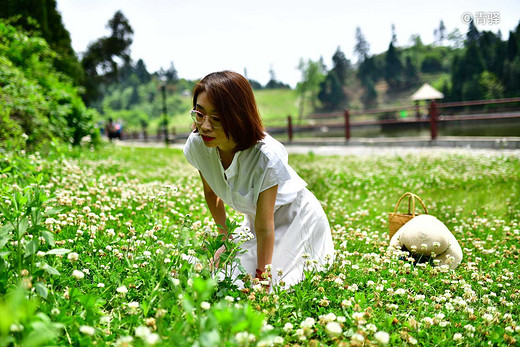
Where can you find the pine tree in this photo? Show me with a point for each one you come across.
(393, 67)
(362, 47)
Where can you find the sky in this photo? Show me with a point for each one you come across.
(253, 37)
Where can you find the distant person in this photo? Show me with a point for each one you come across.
(114, 130)
(244, 167)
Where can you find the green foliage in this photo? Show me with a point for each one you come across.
(141, 243)
(41, 18)
(34, 97)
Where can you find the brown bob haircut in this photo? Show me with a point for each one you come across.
(234, 101)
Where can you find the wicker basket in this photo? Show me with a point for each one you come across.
(397, 220)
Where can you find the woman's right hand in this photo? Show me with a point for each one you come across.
(215, 262)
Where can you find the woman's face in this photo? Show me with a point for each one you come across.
(211, 129)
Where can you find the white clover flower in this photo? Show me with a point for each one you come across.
(358, 338)
(436, 244)
(122, 290)
(267, 327)
(105, 320)
(382, 337)
(175, 281)
(308, 323)
(205, 305)
(288, 327)
(134, 305)
(142, 332)
(73, 256)
(329, 317)
(487, 317)
(278, 340)
(16, 328)
(457, 337)
(358, 315)
(372, 327)
(229, 298)
(40, 254)
(244, 338)
(152, 339)
(333, 329)
(341, 319)
(125, 341)
(87, 330)
(424, 246)
(78, 274)
(101, 285)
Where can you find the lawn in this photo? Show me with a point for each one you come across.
(111, 247)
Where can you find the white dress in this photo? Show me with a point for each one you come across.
(302, 231)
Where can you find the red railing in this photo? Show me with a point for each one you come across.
(434, 116)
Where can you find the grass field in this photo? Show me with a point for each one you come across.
(111, 247)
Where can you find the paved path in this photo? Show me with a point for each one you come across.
(368, 147)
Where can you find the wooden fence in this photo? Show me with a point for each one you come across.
(437, 112)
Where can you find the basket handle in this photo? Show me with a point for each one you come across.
(411, 203)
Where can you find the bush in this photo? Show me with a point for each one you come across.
(35, 99)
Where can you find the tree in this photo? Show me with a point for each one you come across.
(491, 86)
(440, 33)
(41, 18)
(369, 97)
(169, 75)
(362, 47)
(99, 61)
(143, 74)
(394, 36)
(472, 36)
(456, 38)
(410, 73)
(313, 73)
(393, 67)
(273, 82)
(332, 94)
(340, 66)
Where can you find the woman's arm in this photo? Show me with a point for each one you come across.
(215, 205)
(264, 227)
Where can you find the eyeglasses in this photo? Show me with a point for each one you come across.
(198, 117)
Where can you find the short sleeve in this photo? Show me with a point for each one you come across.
(275, 174)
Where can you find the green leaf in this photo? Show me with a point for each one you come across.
(4, 230)
(58, 251)
(48, 236)
(53, 211)
(4, 254)
(4, 240)
(41, 289)
(49, 269)
(31, 248)
(22, 226)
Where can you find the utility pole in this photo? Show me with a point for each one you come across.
(165, 116)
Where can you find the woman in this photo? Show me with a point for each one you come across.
(247, 169)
